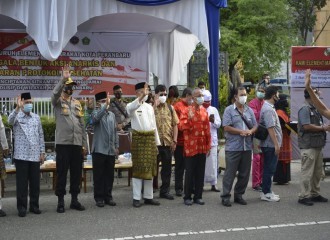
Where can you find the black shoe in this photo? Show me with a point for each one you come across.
(110, 202)
(226, 202)
(166, 196)
(99, 203)
(319, 198)
(22, 213)
(199, 201)
(214, 189)
(35, 210)
(151, 202)
(178, 193)
(240, 201)
(2, 213)
(188, 202)
(136, 203)
(60, 205)
(306, 202)
(75, 204)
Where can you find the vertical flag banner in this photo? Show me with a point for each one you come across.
(98, 62)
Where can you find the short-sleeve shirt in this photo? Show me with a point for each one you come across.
(232, 118)
(269, 118)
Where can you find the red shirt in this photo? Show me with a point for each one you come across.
(180, 108)
(196, 131)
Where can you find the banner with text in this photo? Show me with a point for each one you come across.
(98, 62)
(315, 58)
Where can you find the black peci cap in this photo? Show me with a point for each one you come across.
(100, 95)
(26, 96)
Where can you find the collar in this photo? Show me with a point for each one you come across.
(244, 106)
(266, 102)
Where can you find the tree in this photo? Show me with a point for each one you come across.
(304, 14)
(258, 34)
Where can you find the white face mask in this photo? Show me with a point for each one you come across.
(199, 100)
(162, 99)
(242, 99)
(145, 98)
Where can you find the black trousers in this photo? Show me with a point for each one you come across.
(194, 176)
(179, 168)
(68, 157)
(165, 156)
(27, 177)
(103, 175)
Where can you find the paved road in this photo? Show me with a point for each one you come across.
(172, 220)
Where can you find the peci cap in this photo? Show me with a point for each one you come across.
(70, 81)
(207, 95)
(26, 96)
(100, 95)
(140, 85)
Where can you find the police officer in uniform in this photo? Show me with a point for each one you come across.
(70, 140)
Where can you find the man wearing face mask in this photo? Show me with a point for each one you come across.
(145, 140)
(181, 107)
(70, 140)
(197, 143)
(118, 107)
(211, 166)
(167, 126)
(258, 158)
(29, 153)
(272, 144)
(104, 150)
(201, 86)
(311, 140)
(239, 124)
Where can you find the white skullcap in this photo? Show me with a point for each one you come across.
(207, 95)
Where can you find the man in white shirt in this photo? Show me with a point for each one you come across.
(144, 145)
(3, 152)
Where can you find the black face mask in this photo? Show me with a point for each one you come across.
(118, 95)
(68, 90)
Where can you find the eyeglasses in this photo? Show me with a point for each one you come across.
(162, 94)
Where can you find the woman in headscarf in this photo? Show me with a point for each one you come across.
(283, 172)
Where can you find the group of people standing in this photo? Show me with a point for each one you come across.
(163, 127)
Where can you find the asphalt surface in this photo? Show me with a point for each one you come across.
(172, 219)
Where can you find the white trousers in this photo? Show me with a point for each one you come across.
(147, 189)
(211, 167)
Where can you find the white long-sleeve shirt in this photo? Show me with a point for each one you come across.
(3, 138)
(142, 117)
(214, 126)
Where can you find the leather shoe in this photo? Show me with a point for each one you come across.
(110, 202)
(2, 213)
(178, 193)
(166, 196)
(77, 205)
(305, 201)
(99, 203)
(60, 205)
(319, 198)
(151, 202)
(136, 203)
(188, 202)
(226, 202)
(22, 213)
(214, 189)
(35, 210)
(240, 201)
(199, 201)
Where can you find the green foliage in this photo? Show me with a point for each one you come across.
(49, 126)
(259, 33)
(305, 17)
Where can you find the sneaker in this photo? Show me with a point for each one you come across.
(257, 188)
(319, 198)
(269, 197)
(275, 195)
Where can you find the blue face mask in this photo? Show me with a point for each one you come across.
(260, 95)
(28, 107)
(199, 100)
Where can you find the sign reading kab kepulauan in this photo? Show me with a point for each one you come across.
(98, 62)
(315, 58)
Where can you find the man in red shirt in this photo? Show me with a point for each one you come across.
(180, 108)
(197, 143)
